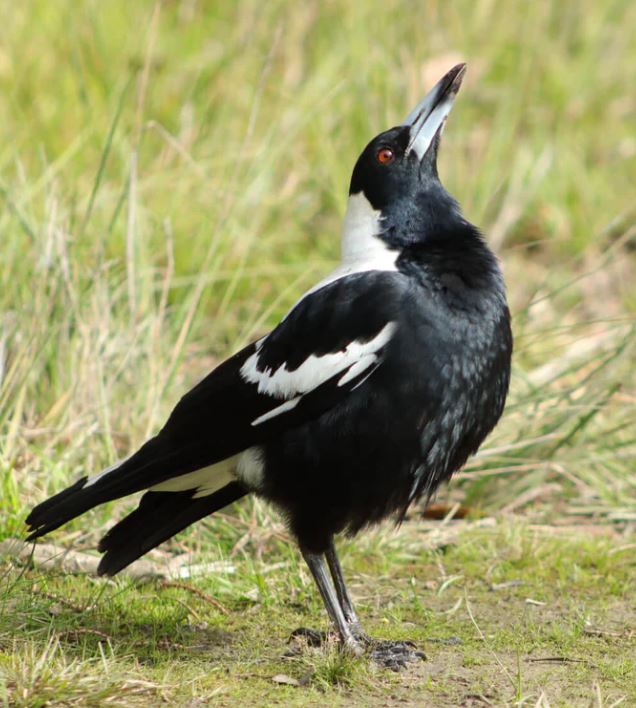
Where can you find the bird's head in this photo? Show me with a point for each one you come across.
(395, 192)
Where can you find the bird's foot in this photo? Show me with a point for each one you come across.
(354, 644)
(359, 634)
(311, 637)
(316, 638)
(394, 655)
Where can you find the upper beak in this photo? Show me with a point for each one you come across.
(430, 113)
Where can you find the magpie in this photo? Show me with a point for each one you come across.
(374, 388)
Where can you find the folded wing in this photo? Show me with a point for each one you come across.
(330, 343)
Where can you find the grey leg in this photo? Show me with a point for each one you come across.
(393, 655)
(343, 594)
(318, 569)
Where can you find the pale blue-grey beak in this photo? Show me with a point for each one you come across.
(428, 117)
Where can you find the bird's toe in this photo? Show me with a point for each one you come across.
(359, 634)
(395, 655)
(311, 637)
(305, 637)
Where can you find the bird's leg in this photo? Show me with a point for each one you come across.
(343, 594)
(393, 655)
(318, 568)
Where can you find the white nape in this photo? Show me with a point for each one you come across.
(361, 242)
(362, 249)
(315, 370)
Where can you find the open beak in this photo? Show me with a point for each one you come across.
(428, 117)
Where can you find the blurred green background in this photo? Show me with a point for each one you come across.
(174, 174)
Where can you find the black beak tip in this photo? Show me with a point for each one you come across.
(455, 77)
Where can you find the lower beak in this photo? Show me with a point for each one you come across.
(428, 117)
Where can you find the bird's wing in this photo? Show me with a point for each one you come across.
(329, 343)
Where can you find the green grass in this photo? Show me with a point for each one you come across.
(59, 634)
(173, 175)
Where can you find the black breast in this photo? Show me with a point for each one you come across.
(438, 393)
(462, 297)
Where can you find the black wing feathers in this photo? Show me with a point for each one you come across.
(159, 516)
(217, 418)
(58, 509)
(153, 460)
(354, 308)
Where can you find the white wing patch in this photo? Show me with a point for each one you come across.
(104, 473)
(315, 370)
(353, 360)
(250, 468)
(364, 363)
(287, 406)
(205, 481)
(247, 467)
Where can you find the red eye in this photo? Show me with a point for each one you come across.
(385, 156)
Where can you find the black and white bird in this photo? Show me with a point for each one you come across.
(375, 387)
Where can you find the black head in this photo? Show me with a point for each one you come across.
(397, 171)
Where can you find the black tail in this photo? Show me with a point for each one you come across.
(159, 516)
(45, 517)
(153, 463)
